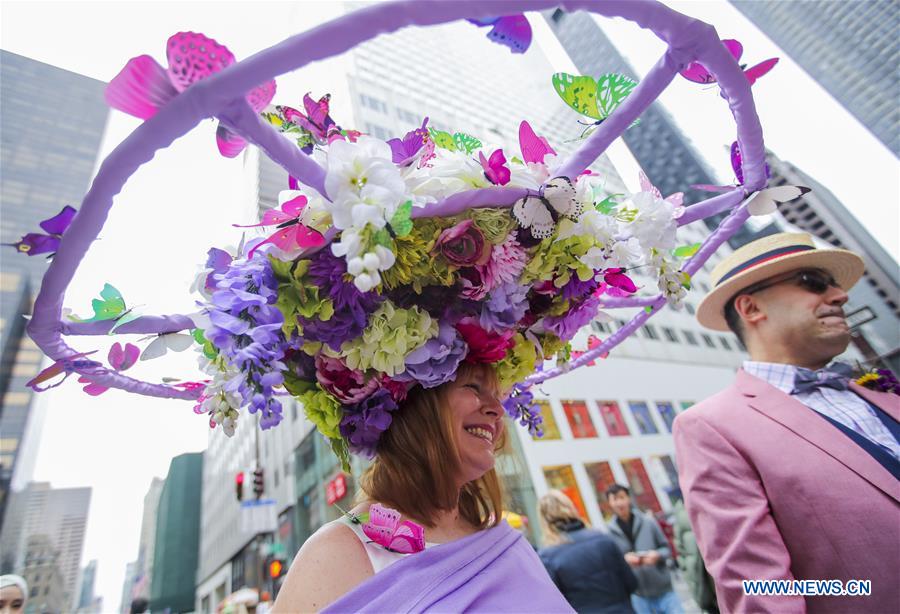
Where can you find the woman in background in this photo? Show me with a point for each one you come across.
(13, 593)
(585, 564)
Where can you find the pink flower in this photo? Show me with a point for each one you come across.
(505, 265)
(397, 389)
(346, 385)
(463, 245)
(484, 346)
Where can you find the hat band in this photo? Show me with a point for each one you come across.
(763, 258)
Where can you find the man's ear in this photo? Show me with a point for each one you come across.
(749, 309)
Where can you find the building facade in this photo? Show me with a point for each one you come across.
(86, 592)
(46, 582)
(850, 48)
(147, 544)
(50, 519)
(177, 536)
(47, 160)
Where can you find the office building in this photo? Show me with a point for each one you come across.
(50, 132)
(850, 48)
(88, 577)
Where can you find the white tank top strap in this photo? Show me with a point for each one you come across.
(379, 557)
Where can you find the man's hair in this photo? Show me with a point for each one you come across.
(417, 461)
(733, 319)
(616, 489)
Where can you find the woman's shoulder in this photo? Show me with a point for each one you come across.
(331, 563)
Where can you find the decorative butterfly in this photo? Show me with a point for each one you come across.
(617, 278)
(514, 31)
(110, 306)
(697, 72)
(65, 366)
(676, 199)
(143, 87)
(291, 235)
(119, 358)
(593, 341)
(596, 99)
(459, 141)
(495, 168)
(176, 342)
(35, 243)
(766, 201)
(534, 148)
(385, 528)
(539, 212)
(737, 165)
(418, 141)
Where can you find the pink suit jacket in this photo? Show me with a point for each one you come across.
(774, 491)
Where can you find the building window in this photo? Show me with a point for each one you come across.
(9, 281)
(708, 340)
(601, 327)
(612, 418)
(649, 331)
(641, 413)
(579, 419)
(373, 103)
(689, 337)
(294, 411)
(667, 411)
(641, 487)
(551, 430)
(601, 476)
(724, 342)
(670, 334)
(561, 477)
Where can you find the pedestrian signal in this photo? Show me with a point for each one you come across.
(276, 568)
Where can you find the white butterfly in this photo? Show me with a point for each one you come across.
(766, 201)
(177, 342)
(538, 212)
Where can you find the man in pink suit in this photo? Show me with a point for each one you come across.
(792, 472)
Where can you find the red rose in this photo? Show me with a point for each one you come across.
(463, 245)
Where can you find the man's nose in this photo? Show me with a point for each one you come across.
(836, 296)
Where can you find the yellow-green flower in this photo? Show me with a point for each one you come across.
(559, 259)
(390, 335)
(415, 266)
(518, 364)
(323, 410)
(296, 296)
(494, 224)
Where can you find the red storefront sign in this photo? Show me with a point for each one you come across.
(336, 489)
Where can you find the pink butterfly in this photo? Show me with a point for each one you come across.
(316, 121)
(67, 366)
(593, 342)
(534, 148)
(120, 358)
(696, 72)
(618, 279)
(495, 169)
(737, 165)
(676, 199)
(143, 87)
(387, 530)
(291, 234)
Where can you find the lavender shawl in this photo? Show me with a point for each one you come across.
(495, 570)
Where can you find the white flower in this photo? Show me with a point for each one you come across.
(654, 224)
(625, 254)
(595, 258)
(350, 244)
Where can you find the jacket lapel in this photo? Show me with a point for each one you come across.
(887, 402)
(803, 421)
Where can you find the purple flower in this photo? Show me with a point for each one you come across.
(505, 306)
(364, 422)
(437, 360)
(351, 307)
(577, 289)
(520, 405)
(566, 325)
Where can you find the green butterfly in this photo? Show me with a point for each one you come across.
(458, 141)
(110, 306)
(596, 99)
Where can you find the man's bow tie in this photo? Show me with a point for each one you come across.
(835, 376)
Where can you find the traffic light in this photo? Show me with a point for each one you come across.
(275, 568)
(239, 485)
(258, 482)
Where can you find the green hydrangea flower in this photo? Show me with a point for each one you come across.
(391, 334)
(323, 410)
(415, 266)
(518, 363)
(494, 224)
(558, 259)
(296, 296)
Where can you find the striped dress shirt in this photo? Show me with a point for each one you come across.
(843, 406)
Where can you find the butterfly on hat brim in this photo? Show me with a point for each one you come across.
(766, 201)
(540, 212)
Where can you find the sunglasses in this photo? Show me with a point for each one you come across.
(814, 281)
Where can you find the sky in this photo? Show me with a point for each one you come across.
(185, 200)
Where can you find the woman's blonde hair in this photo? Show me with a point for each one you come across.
(555, 509)
(417, 461)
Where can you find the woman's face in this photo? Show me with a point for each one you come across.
(11, 600)
(477, 418)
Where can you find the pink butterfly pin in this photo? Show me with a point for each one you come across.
(291, 234)
(697, 72)
(675, 199)
(120, 358)
(593, 341)
(143, 87)
(534, 148)
(387, 530)
(618, 279)
(316, 121)
(495, 168)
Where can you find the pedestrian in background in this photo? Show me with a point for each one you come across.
(792, 472)
(690, 562)
(13, 594)
(647, 550)
(585, 564)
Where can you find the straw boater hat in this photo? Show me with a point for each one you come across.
(768, 257)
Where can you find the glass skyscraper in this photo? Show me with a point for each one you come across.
(51, 125)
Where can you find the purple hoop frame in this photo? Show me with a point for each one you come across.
(222, 96)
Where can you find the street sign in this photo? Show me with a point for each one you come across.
(336, 489)
(259, 516)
